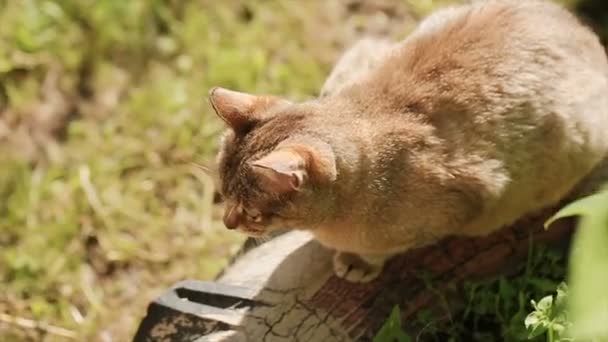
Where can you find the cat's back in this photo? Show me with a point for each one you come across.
(494, 69)
(511, 47)
(513, 95)
(518, 25)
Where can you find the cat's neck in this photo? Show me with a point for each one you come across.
(343, 125)
(367, 141)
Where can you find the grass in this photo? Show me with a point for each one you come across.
(490, 310)
(495, 309)
(102, 110)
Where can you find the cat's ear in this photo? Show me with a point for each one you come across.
(240, 110)
(281, 171)
(288, 169)
(234, 107)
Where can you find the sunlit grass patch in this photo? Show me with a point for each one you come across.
(103, 210)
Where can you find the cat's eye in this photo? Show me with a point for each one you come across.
(254, 216)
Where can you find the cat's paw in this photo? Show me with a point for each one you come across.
(353, 268)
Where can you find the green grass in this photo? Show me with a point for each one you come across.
(490, 310)
(102, 110)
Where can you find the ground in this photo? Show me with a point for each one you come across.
(103, 111)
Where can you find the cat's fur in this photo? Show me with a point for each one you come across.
(485, 113)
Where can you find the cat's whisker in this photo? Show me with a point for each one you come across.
(202, 167)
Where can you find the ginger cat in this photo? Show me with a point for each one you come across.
(485, 113)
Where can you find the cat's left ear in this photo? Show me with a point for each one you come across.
(241, 110)
(288, 169)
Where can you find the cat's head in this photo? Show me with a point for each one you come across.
(269, 168)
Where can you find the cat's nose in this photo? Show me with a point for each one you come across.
(231, 219)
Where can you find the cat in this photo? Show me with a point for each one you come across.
(355, 63)
(485, 113)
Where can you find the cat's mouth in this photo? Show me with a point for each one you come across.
(252, 231)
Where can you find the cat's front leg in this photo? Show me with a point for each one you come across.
(359, 268)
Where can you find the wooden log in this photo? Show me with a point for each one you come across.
(305, 301)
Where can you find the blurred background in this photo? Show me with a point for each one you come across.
(103, 109)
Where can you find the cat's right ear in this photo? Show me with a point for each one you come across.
(288, 169)
(281, 171)
(240, 110)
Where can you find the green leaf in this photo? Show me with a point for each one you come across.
(535, 324)
(506, 289)
(585, 206)
(532, 320)
(391, 330)
(544, 305)
(588, 276)
(561, 297)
